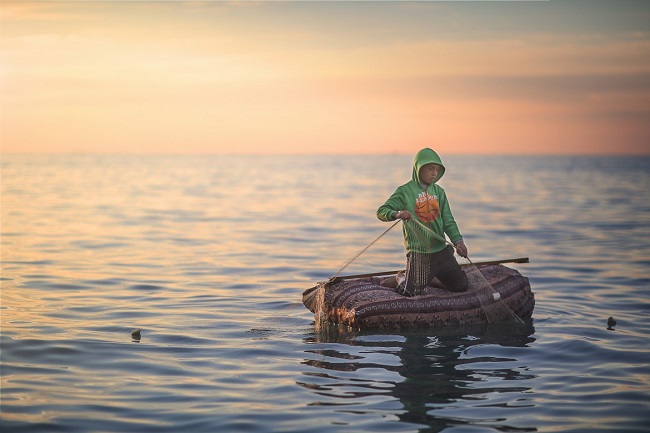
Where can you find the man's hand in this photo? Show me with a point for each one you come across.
(461, 249)
(403, 215)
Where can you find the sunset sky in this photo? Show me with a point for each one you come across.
(325, 77)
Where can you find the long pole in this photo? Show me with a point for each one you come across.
(379, 274)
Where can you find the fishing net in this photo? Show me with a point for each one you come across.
(494, 307)
(370, 257)
(320, 319)
(423, 269)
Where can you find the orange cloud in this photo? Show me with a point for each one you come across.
(270, 78)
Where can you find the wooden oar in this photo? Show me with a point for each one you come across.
(379, 274)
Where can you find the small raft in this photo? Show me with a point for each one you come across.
(363, 303)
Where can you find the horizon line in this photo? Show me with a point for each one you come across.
(252, 154)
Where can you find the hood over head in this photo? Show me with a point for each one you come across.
(424, 157)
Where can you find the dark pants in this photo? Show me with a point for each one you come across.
(421, 268)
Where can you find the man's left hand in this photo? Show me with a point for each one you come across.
(461, 249)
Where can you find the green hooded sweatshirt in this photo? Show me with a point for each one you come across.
(428, 204)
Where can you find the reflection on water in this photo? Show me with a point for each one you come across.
(437, 377)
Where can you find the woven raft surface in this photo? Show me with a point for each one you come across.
(365, 304)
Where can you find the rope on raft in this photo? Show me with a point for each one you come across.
(363, 250)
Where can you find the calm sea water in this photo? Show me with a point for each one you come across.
(208, 256)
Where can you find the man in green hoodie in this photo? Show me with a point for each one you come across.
(423, 206)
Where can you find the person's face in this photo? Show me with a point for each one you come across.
(429, 173)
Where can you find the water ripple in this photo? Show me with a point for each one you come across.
(224, 341)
